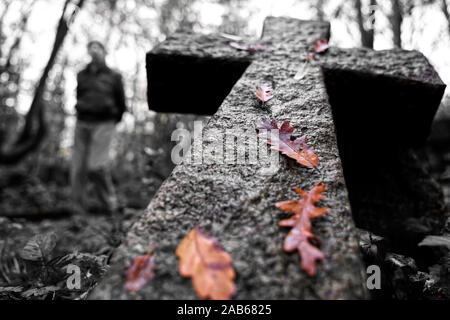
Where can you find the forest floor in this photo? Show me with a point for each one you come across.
(35, 202)
(87, 242)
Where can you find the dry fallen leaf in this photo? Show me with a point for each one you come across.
(298, 238)
(140, 272)
(282, 142)
(321, 45)
(436, 241)
(208, 264)
(302, 72)
(311, 58)
(39, 247)
(231, 37)
(264, 93)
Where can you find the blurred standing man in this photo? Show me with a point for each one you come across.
(100, 106)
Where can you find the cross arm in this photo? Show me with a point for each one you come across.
(394, 94)
(207, 67)
(190, 73)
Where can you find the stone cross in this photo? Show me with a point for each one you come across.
(372, 103)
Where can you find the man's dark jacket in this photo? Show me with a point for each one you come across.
(100, 95)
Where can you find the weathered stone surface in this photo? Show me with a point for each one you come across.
(236, 203)
(396, 63)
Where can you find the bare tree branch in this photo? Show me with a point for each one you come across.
(444, 7)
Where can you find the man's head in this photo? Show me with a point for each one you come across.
(97, 51)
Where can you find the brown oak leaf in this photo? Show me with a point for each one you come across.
(280, 140)
(202, 258)
(299, 237)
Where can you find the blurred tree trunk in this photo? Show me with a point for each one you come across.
(396, 22)
(320, 12)
(11, 66)
(34, 128)
(367, 34)
(49, 155)
(444, 7)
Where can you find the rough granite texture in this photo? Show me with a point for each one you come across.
(236, 203)
(410, 65)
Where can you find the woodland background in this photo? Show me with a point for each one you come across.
(34, 190)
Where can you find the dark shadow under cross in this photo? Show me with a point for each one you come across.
(381, 103)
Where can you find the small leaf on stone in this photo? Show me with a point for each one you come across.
(321, 45)
(264, 93)
(231, 37)
(140, 272)
(202, 258)
(302, 72)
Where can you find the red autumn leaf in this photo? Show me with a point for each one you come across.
(202, 258)
(264, 93)
(248, 47)
(282, 142)
(298, 238)
(140, 272)
(321, 45)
